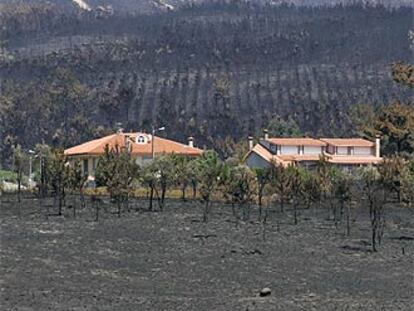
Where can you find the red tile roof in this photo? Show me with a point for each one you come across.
(301, 141)
(348, 142)
(300, 157)
(266, 155)
(161, 145)
(337, 159)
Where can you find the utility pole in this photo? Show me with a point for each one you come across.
(154, 130)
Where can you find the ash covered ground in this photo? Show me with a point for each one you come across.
(171, 260)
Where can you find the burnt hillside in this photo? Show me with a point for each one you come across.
(213, 70)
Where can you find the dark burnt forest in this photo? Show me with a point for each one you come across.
(217, 71)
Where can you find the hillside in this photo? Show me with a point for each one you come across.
(213, 70)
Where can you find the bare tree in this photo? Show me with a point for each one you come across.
(18, 168)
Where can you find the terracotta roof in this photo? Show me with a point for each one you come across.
(348, 142)
(335, 159)
(300, 157)
(161, 145)
(300, 141)
(266, 155)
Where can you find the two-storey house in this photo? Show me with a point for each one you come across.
(306, 152)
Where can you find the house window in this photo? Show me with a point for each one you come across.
(301, 149)
(85, 167)
(350, 150)
(273, 148)
(94, 164)
(141, 139)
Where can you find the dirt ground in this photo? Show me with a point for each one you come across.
(170, 260)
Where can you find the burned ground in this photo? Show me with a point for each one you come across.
(170, 260)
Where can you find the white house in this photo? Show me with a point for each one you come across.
(306, 151)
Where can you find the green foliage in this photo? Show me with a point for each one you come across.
(392, 173)
(208, 170)
(76, 178)
(280, 182)
(283, 127)
(240, 183)
(403, 73)
(116, 170)
(311, 188)
(8, 176)
(394, 123)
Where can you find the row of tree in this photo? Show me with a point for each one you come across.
(291, 188)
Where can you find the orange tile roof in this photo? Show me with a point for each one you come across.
(266, 155)
(348, 142)
(161, 145)
(335, 159)
(301, 141)
(300, 157)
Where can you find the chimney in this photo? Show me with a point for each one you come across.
(250, 142)
(191, 141)
(127, 142)
(266, 134)
(378, 146)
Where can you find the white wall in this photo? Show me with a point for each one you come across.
(289, 150)
(343, 150)
(312, 150)
(363, 151)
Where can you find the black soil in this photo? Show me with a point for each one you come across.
(170, 260)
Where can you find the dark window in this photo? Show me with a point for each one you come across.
(85, 167)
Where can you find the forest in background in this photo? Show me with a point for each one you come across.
(218, 71)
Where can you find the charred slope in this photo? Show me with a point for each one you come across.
(213, 71)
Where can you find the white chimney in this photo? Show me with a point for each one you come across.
(191, 141)
(266, 134)
(378, 146)
(250, 142)
(127, 143)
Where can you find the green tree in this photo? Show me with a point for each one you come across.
(280, 182)
(208, 169)
(395, 124)
(312, 191)
(283, 127)
(165, 172)
(77, 180)
(403, 73)
(262, 179)
(116, 170)
(393, 171)
(240, 186)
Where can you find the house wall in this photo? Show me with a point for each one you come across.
(342, 151)
(255, 161)
(312, 150)
(363, 151)
(289, 150)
